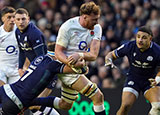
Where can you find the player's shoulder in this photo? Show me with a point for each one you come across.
(130, 44)
(97, 26)
(70, 23)
(155, 46)
(33, 30)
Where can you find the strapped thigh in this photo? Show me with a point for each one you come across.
(68, 94)
(89, 90)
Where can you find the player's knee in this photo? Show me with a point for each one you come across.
(155, 110)
(98, 98)
(65, 105)
(93, 92)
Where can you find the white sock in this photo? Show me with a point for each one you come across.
(56, 102)
(51, 110)
(37, 113)
(98, 108)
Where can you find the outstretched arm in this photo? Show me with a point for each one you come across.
(109, 58)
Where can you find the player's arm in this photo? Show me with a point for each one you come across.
(38, 44)
(21, 61)
(21, 56)
(59, 53)
(155, 81)
(79, 68)
(94, 51)
(87, 56)
(121, 51)
(110, 55)
(109, 59)
(40, 50)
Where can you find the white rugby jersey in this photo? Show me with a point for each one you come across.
(76, 38)
(8, 48)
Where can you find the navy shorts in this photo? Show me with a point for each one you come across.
(138, 83)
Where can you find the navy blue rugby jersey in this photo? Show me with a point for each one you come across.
(39, 74)
(30, 39)
(142, 64)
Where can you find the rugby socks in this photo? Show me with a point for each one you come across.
(48, 111)
(50, 101)
(56, 102)
(44, 101)
(99, 109)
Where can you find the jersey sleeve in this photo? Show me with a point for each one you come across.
(122, 50)
(37, 40)
(97, 32)
(63, 36)
(22, 58)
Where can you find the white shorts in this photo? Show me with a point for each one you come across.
(67, 93)
(68, 79)
(9, 75)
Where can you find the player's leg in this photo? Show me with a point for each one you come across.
(44, 109)
(153, 96)
(90, 90)
(85, 87)
(69, 95)
(128, 98)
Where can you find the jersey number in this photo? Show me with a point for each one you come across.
(28, 72)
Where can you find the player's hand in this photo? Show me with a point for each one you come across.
(109, 62)
(72, 59)
(80, 63)
(153, 82)
(21, 72)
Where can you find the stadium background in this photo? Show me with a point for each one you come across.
(119, 19)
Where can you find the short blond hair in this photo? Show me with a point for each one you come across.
(22, 11)
(89, 8)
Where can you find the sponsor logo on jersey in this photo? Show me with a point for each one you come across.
(130, 83)
(37, 41)
(38, 60)
(141, 65)
(134, 54)
(83, 46)
(149, 58)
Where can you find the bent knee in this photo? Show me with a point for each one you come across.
(65, 105)
(98, 98)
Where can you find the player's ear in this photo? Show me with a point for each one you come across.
(28, 18)
(151, 37)
(3, 18)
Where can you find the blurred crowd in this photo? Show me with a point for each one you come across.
(119, 19)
